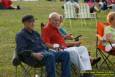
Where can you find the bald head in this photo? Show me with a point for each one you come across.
(54, 19)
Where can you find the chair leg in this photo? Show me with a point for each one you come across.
(41, 72)
(16, 71)
(26, 71)
(107, 58)
(104, 56)
(75, 70)
(97, 56)
(36, 72)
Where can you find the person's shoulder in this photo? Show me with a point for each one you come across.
(46, 28)
(20, 33)
(36, 32)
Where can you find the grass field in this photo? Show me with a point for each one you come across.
(10, 24)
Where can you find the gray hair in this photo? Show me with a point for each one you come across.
(53, 14)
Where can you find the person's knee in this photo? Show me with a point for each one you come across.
(50, 56)
(66, 55)
(83, 47)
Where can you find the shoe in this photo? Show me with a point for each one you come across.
(95, 61)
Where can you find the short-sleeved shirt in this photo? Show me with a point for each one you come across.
(52, 35)
(110, 30)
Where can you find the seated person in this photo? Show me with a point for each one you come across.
(29, 41)
(7, 4)
(91, 5)
(69, 36)
(71, 8)
(103, 5)
(52, 37)
(109, 33)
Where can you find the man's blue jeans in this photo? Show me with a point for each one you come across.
(49, 60)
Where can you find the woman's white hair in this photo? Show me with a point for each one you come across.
(53, 14)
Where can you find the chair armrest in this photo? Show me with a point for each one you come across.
(25, 53)
(16, 60)
(110, 44)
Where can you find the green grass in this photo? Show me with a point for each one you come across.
(10, 24)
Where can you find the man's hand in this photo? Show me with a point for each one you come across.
(38, 56)
(77, 43)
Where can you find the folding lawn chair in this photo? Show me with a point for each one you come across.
(84, 13)
(100, 48)
(69, 10)
(26, 69)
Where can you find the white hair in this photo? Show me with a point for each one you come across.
(52, 14)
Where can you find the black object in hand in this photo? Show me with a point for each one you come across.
(77, 38)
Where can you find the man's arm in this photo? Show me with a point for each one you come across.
(21, 45)
(22, 48)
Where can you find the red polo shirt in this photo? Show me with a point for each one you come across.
(52, 35)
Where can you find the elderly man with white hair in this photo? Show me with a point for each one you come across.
(53, 39)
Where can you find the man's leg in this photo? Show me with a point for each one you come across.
(83, 52)
(75, 57)
(64, 58)
(79, 56)
(49, 61)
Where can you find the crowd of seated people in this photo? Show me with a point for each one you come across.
(51, 47)
(31, 50)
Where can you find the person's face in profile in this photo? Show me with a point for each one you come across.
(29, 24)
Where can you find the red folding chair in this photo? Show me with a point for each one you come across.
(100, 48)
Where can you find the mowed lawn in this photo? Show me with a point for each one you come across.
(10, 24)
